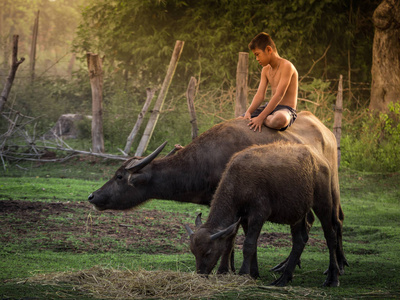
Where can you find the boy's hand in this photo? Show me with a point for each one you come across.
(256, 123)
(246, 116)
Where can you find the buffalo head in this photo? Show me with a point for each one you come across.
(208, 245)
(128, 187)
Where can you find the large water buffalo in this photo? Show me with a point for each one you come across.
(193, 173)
(253, 191)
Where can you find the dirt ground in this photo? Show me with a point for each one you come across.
(76, 227)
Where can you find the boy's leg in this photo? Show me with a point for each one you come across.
(278, 119)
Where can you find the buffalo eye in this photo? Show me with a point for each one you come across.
(119, 176)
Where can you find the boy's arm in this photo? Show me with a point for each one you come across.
(287, 73)
(259, 96)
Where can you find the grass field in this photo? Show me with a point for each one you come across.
(49, 228)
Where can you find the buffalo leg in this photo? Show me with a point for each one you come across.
(327, 222)
(250, 265)
(254, 262)
(227, 258)
(338, 224)
(300, 237)
(342, 261)
(280, 268)
(233, 269)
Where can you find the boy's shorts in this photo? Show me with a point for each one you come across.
(290, 110)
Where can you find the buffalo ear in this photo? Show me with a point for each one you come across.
(227, 232)
(189, 230)
(198, 221)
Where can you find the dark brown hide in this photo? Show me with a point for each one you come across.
(279, 183)
(193, 173)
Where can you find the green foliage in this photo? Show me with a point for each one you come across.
(375, 144)
(316, 96)
(138, 36)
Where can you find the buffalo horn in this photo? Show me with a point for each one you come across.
(224, 231)
(189, 230)
(136, 165)
(198, 221)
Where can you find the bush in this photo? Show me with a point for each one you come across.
(375, 145)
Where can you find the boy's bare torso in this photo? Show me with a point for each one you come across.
(274, 77)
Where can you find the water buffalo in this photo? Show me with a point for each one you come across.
(193, 173)
(280, 183)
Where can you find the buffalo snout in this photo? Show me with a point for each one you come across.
(96, 202)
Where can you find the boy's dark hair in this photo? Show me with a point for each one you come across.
(261, 41)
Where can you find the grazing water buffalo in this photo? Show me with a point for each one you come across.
(280, 183)
(193, 173)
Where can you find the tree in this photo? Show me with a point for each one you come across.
(386, 56)
(58, 21)
(138, 36)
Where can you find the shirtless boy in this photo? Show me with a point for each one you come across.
(280, 112)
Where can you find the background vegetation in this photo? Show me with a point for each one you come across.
(322, 38)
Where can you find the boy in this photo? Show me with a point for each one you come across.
(280, 112)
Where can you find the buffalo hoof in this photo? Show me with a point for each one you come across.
(222, 272)
(331, 283)
(341, 267)
(282, 281)
(341, 271)
(254, 275)
(280, 268)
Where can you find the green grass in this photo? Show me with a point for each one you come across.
(371, 202)
(46, 189)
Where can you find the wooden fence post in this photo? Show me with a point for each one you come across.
(241, 84)
(150, 94)
(96, 82)
(160, 99)
(337, 123)
(190, 93)
(11, 75)
(32, 58)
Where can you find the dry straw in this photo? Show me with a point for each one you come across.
(109, 283)
(141, 284)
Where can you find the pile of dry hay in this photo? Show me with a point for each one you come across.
(141, 284)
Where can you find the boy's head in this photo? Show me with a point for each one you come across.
(261, 41)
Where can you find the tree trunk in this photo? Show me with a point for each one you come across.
(160, 99)
(32, 59)
(190, 93)
(337, 123)
(150, 94)
(385, 70)
(96, 82)
(11, 75)
(241, 84)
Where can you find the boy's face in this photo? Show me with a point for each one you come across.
(263, 57)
